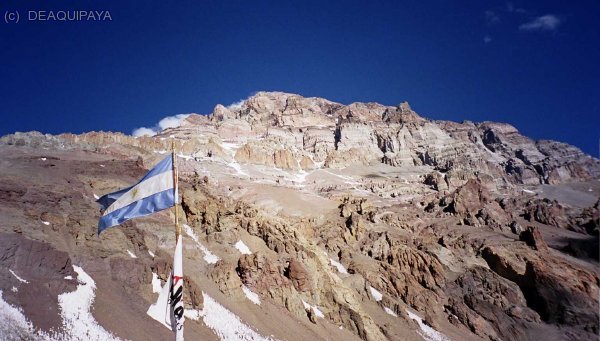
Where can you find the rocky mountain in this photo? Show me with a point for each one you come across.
(306, 219)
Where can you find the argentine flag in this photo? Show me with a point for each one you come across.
(154, 192)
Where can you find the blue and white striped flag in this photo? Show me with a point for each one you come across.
(154, 192)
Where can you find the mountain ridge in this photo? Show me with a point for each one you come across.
(359, 221)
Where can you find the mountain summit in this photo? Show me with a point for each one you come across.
(306, 219)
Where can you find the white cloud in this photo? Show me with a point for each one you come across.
(172, 121)
(143, 132)
(167, 122)
(511, 8)
(548, 22)
(236, 105)
(487, 39)
(491, 17)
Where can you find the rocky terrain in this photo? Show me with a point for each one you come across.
(306, 219)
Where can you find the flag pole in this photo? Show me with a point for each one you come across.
(177, 275)
(176, 189)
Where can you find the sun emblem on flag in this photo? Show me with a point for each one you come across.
(134, 192)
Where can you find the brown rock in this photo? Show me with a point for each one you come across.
(257, 271)
(226, 278)
(306, 163)
(193, 294)
(299, 276)
(546, 211)
(284, 159)
(469, 198)
(533, 238)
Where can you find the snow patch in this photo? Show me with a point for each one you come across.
(69, 277)
(185, 157)
(300, 177)
(17, 277)
(96, 197)
(75, 311)
(192, 314)
(156, 285)
(46, 223)
(14, 289)
(209, 257)
(13, 324)
(225, 324)
(131, 254)
(427, 332)
(315, 309)
(338, 266)
(242, 248)
(230, 147)
(390, 311)
(151, 253)
(102, 166)
(238, 169)
(348, 180)
(78, 322)
(528, 191)
(251, 295)
(306, 305)
(318, 312)
(43, 159)
(376, 294)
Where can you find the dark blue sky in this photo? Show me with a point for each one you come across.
(533, 64)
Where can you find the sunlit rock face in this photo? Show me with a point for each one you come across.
(359, 221)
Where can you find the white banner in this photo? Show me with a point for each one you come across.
(168, 309)
(176, 294)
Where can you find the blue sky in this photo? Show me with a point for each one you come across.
(533, 64)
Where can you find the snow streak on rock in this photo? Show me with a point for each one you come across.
(314, 308)
(75, 311)
(427, 332)
(19, 278)
(131, 254)
(225, 324)
(338, 266)
(376, 294)
(156, 287)
(238, 168)
(13, 324)
(242, 248)
(185, 157)
(251, 295)
(390, 311)
(192, 314)
(209, 257)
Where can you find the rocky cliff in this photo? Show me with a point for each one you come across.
(307, 219)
